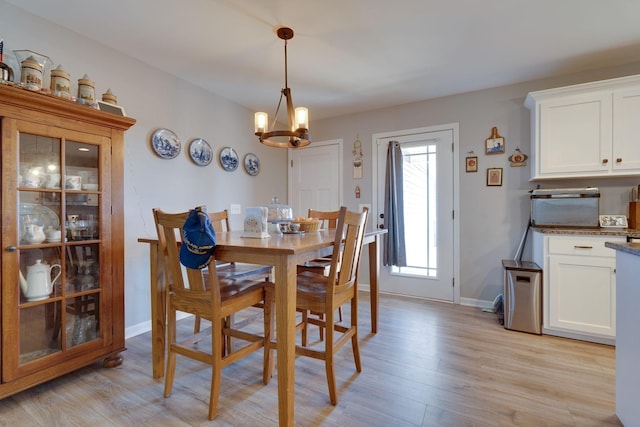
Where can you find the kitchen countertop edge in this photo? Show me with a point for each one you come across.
(630, 248)
(596, 231)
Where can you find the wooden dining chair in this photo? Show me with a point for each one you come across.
(233, 270)
(319, 265)
(324, 294)
(210, 297)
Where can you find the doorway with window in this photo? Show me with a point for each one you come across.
(428, 212)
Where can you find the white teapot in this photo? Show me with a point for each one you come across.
(38, 284)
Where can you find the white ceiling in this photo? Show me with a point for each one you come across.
(356, 55)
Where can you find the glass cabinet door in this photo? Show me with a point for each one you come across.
(58, 262)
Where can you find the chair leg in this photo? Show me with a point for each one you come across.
(328, 357)
(354, 339)
(171, 357)
(216, 366)
(196, 325)
(267, 370)
(305, 327)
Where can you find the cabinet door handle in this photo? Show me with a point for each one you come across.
(583, 247)
(619, 160)
(605, 161)
(11, 248)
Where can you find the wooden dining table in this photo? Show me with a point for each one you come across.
(284, 253)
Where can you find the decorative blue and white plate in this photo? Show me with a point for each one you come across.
(165, 143)
(200, 152)
(251, 164)
(228, 159)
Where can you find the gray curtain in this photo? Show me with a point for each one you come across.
(394, 247)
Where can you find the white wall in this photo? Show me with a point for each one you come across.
(492, 219)
(156, 99)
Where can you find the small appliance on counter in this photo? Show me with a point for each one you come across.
(565, 207)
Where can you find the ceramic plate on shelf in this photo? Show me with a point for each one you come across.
(165, 143)
(38, 214)
(228, 159)
(200, 152)
(251, 164)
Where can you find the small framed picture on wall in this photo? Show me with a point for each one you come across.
(472, 164)
(494, 177)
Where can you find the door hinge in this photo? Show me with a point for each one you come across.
(453, 214)
(452, 150)
(291, 163)
(453, 282)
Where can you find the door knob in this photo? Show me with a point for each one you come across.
(382, 216)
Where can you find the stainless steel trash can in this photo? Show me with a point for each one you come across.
(522, 296)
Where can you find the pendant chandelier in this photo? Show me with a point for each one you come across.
(297, 119)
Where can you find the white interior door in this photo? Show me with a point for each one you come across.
(429, 194)
(315, 177)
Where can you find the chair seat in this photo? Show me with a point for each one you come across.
(232, 288)
(239, 270)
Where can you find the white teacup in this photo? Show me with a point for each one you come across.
(53, 235)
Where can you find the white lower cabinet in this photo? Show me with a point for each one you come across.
(579, 285)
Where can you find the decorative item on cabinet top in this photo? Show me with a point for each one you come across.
(165, 143)
(200, 152)
(495, 143)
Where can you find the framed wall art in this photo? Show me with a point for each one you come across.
(471, 164)
(494, 177)
(495, 143)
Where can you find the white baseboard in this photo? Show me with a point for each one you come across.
(476, 302)
(143, 327)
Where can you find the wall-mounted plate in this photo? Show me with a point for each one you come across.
(200, 152)
(251, 164)
(165, 143)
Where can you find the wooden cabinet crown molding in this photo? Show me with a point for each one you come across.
(23, 103)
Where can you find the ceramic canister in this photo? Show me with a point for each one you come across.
(109, 97)
(31, 73)
(60, 83)
(86, 89)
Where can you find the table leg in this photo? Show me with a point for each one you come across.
(374, 269)
(158, 311)
(285, 290)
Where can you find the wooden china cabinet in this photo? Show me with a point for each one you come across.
(62, 267)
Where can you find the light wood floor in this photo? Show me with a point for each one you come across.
(431, 364)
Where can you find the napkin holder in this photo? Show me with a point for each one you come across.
(255, 223)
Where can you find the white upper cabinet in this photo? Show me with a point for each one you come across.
(586, 130)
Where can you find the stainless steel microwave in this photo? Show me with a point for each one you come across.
(565, 207)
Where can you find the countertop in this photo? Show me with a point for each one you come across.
(596, 231)
(630, 248)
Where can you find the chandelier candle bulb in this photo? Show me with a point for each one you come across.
(261, 122)
(302, 118)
